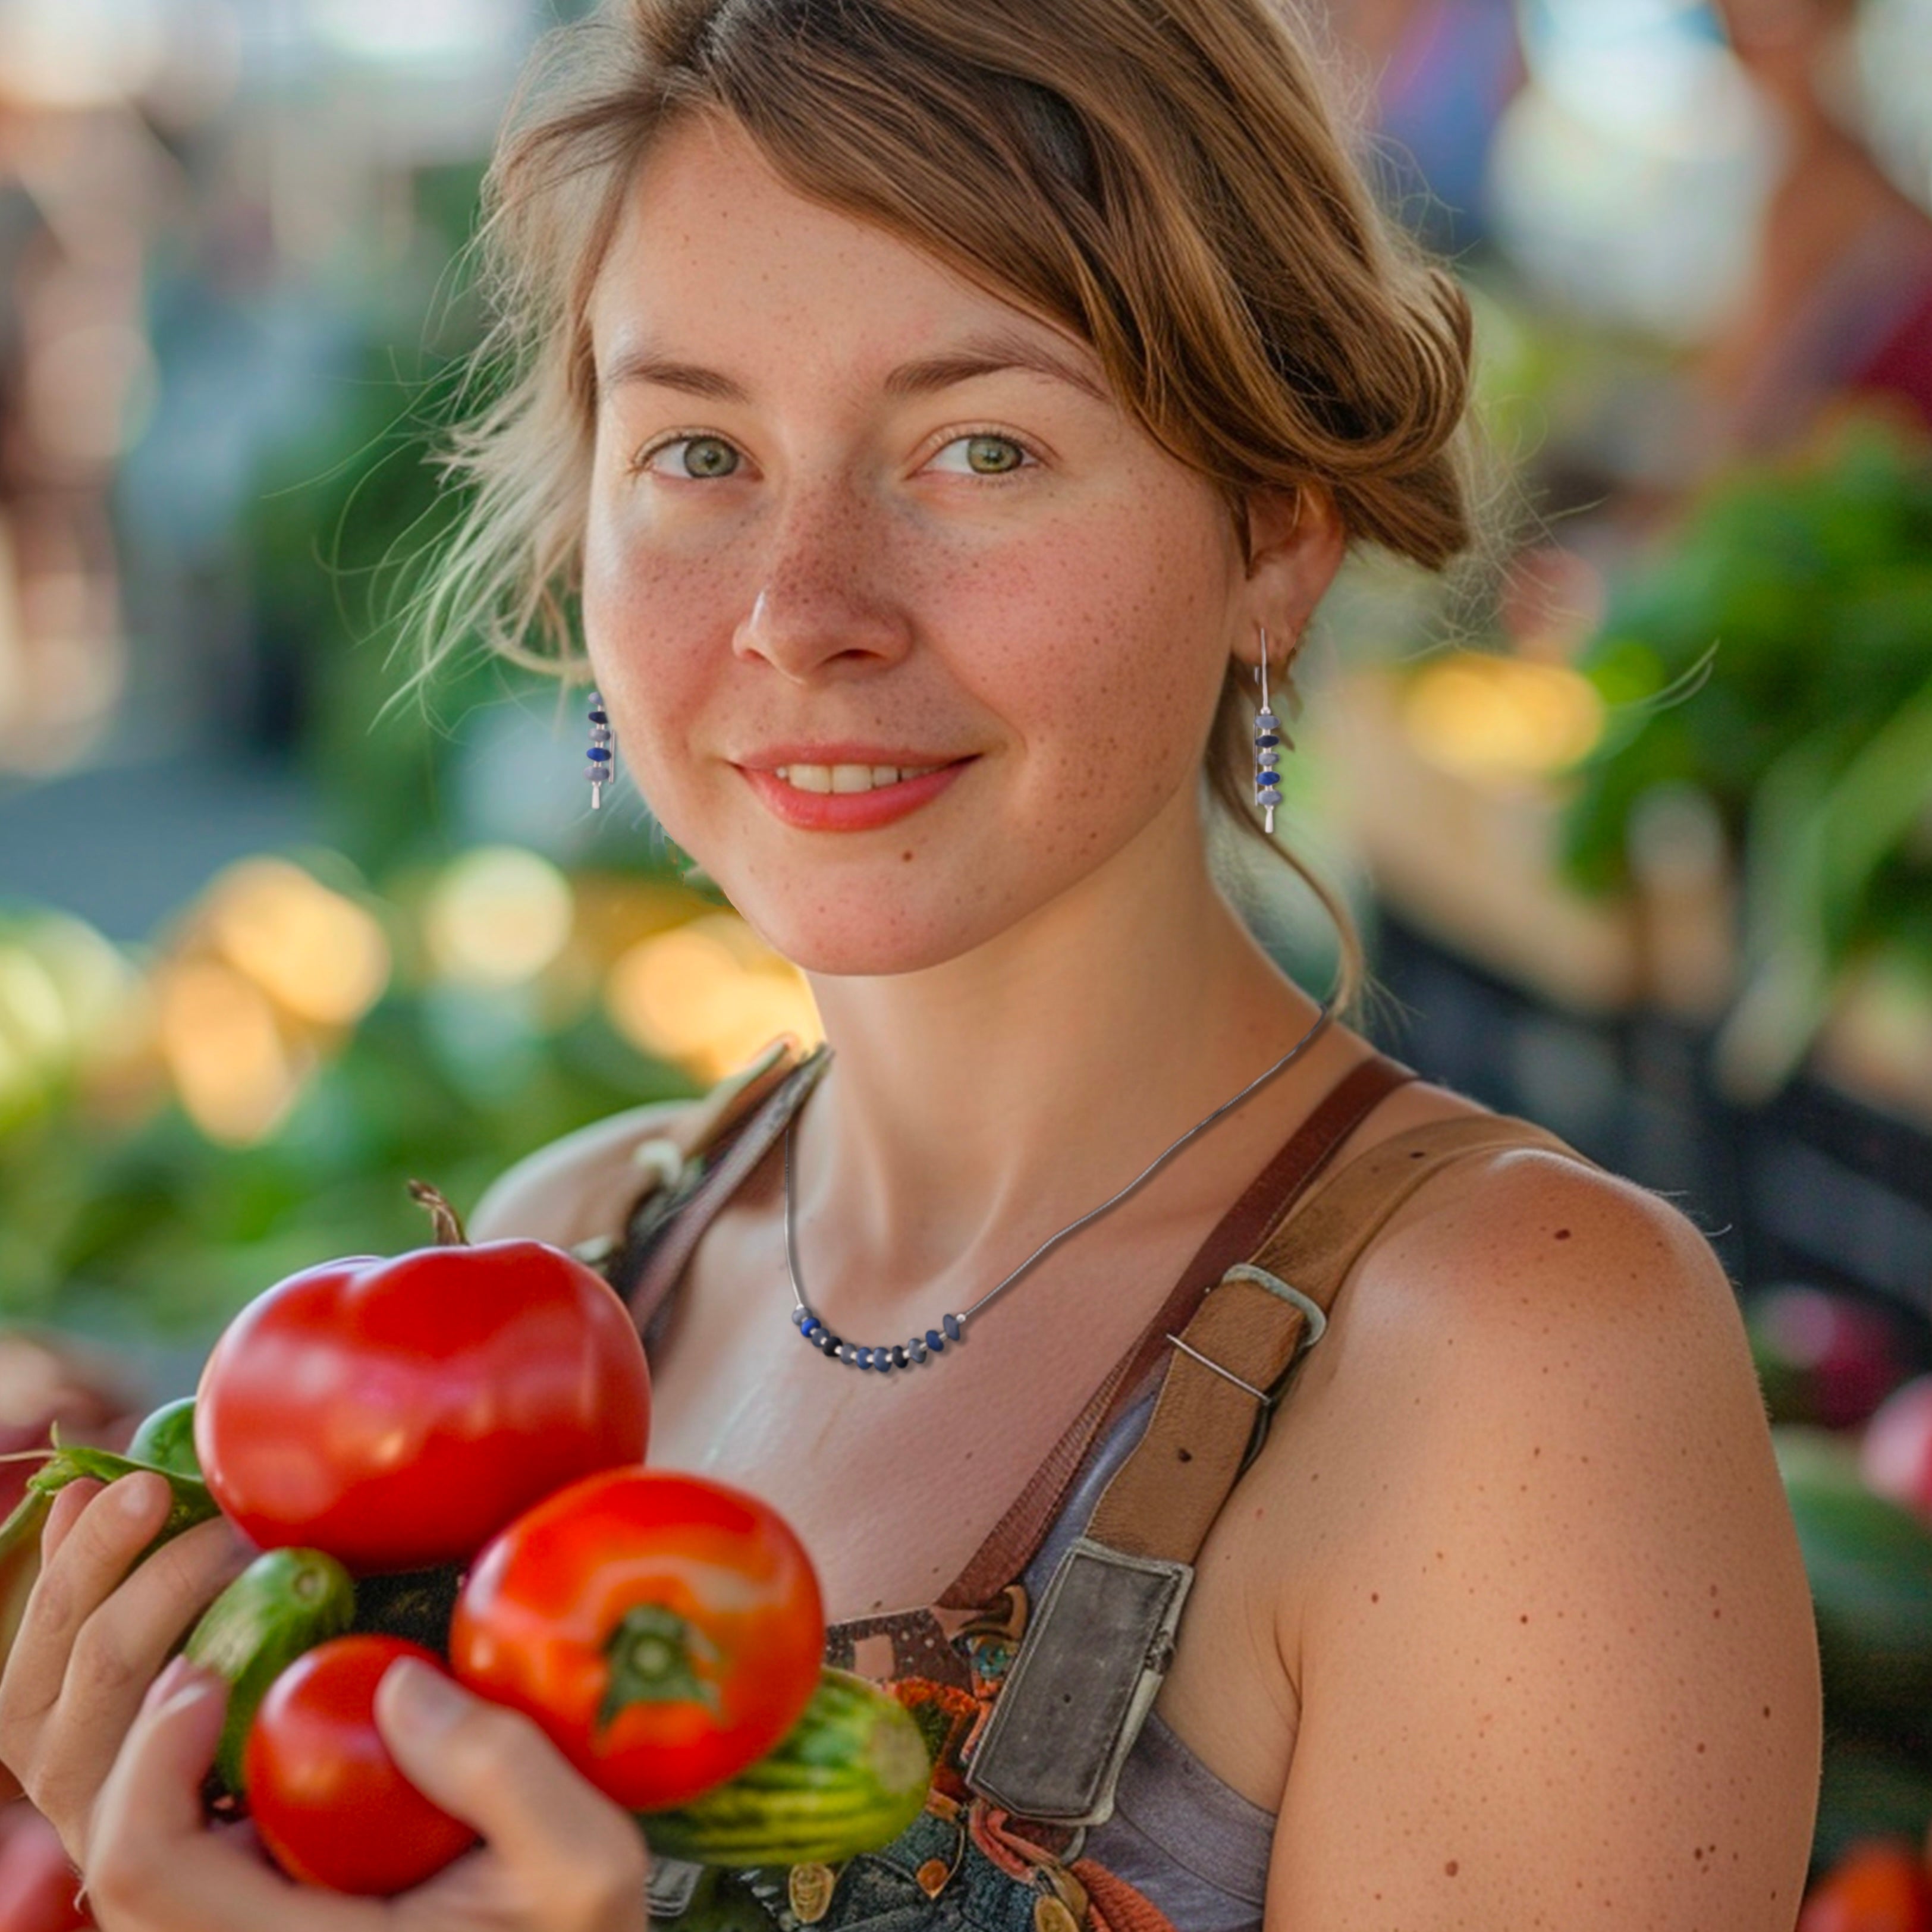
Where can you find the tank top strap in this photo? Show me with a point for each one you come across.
(1261, 1208)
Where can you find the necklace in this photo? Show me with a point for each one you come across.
(951, 1326)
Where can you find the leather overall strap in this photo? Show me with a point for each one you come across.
(697, 1161)
(1164, 1497)
(1092, 1659)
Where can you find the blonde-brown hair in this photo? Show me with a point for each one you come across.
(1162, 178)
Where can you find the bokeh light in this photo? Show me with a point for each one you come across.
(708, 994)
(319, 955)
(1502, 718)
(497, 917)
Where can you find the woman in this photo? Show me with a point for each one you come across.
(935, 411)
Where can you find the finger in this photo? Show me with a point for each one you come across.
(100, 1537)
(152, 1858)
(64, 1511)
(121, 1647)
(494, 1769)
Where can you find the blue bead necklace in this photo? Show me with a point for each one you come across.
(952, 1328)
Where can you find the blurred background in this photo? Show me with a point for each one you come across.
(1637, 813)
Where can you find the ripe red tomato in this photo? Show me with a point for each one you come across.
(397, 1413)
(323, 1791)
(665, 1630)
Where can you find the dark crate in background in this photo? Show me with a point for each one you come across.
(1813, 1187)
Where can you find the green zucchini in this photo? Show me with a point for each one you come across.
(849, 1777)
(285, 1603)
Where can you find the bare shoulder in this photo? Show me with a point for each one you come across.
(1554, 1648)
(580, 1185)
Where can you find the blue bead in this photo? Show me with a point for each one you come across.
(882, 1360)
(811, 1327)
(1267, 741)
(899, 1357)
(598, 756)
(933, 1341)
(600, 718)
(950, 1323)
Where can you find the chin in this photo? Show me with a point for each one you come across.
(859, 932)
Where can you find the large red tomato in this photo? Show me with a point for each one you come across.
(665, 1630)
(396, 1413)
(323, 1791)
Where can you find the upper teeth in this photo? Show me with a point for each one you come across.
(849, 777)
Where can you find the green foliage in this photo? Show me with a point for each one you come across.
(158, 1229)
(1802, 598)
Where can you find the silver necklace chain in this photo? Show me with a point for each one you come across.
(951, 1326)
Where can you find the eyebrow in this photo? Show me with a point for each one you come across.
(978, 355)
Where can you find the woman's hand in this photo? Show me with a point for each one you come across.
(89, 1643)
(556, 1855)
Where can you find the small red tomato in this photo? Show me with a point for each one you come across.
(664, 1629)
(397, 1413)
(324, 1793)
(1878, 1885)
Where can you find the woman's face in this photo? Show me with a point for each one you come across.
(849, 512)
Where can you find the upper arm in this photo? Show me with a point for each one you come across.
(574, 1187)
(1560, 1670)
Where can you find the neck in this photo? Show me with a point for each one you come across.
(974, 1109)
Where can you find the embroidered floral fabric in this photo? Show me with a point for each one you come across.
(964, 1863)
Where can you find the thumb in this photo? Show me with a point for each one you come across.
(494, 1769)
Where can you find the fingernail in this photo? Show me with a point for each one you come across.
(425, 1699)
(180, 1680)
(135, 1494)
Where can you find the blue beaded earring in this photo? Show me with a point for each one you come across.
(1268, 750)
(600, 771)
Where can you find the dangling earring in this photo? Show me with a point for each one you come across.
(600, 771)
(1268, 750)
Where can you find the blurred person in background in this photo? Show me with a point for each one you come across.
(1838, 311)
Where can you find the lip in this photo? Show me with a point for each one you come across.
(847, 811)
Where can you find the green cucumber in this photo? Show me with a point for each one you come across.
(1869, 1562)
(849, 1777)
(165, 1440)
(285, 1603)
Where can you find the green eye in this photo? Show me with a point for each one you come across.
(993, 455)
(702, 456)
(983, 456)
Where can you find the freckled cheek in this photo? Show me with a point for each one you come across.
(1096, 652)
(652, 624)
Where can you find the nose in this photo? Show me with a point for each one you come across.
(822, 605)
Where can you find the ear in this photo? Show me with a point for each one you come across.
(1296, 544)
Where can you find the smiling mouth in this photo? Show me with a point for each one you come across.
(848, 778)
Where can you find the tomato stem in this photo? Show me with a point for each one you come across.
(653, 1654)
(448, 1226)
